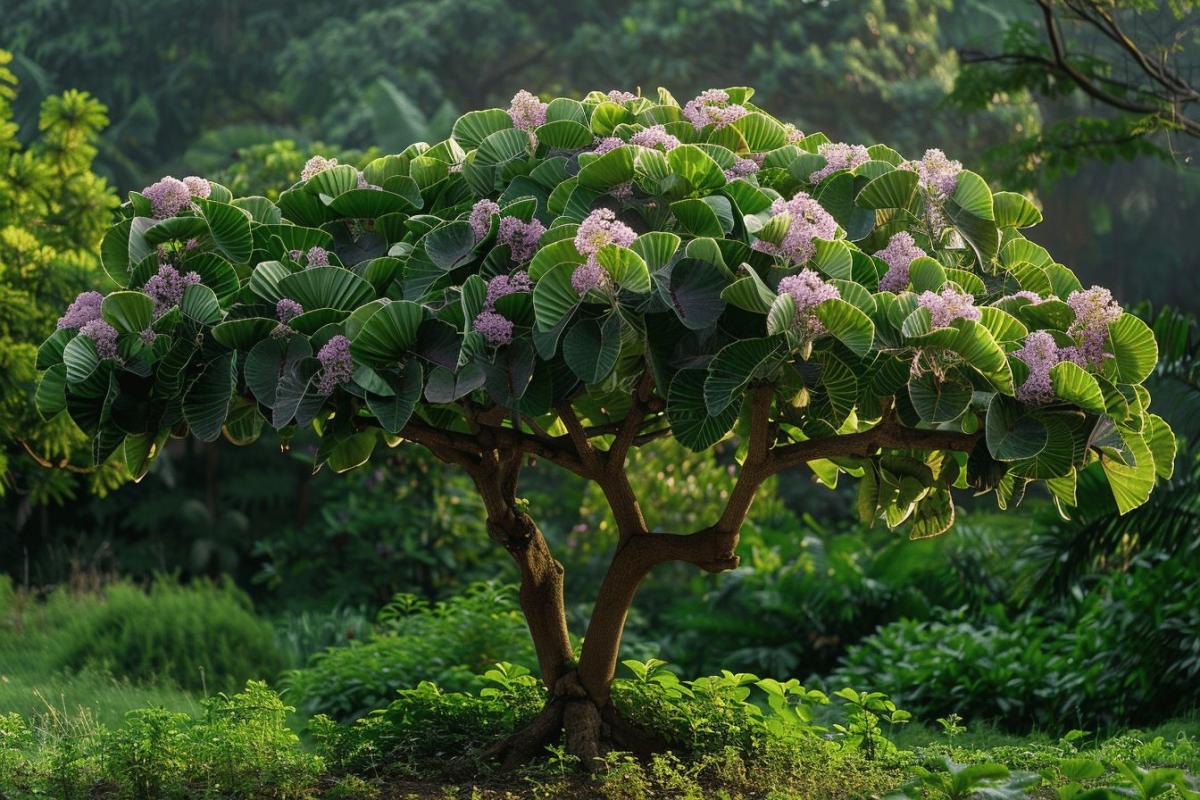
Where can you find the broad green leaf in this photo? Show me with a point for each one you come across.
(735, 366)
(691, 424)
(1013, 210)
(611, 169)
(591, 347)
(501, 147)
(1131, 483)
(244, 333)
(387, 337)
(229, 227)
(697, 167)
(925, 274)
(1134, 350)
(895, 189)
(1012, 434)
(473, 127)
(333, 181)
(51, 397)
(451, 245)
(128, 312)
(847, 324)
(625, 267)
(973, 196)
(554, 298)
(199, 303)
(656, 248)
(326, 287)
(1075, 385)
(206, 403)
(938, 401)
(564, 134)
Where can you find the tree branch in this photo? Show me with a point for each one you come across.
(886, 434)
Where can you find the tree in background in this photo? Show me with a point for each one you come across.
(53, 210)
(569, 281)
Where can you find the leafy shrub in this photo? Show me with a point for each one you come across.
(241, 747)
(1127, 652)
(450, 643)
(200, 636)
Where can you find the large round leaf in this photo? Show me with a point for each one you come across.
(206, 403)
(327, 287)
(691, 424)
(388, 336)
(128, 312)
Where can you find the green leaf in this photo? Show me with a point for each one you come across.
(656, 248)
(973, 196)
(1011, 434)
(388, 335)
(697, 167)
(51, 397)
(1013, 210)
(473, 127)
(625, 267)
(229, 227)
(1131, 483)
(175, 229)
(1075, 385)
(244, 333)
(697, 217)
(206, 404)
(933, 516)
(564, 134)
(591, 348)
(782, 315)
(451, 245)
(939, 401)
(128, 312)
(81, 359)
(199, 303)
(762, 133)
(611, 169)
(370, 204)
(833, 258)
(270, 359)
(327, 287)
(735, 366)
(502, 147)
(695, 291)
(749, 292)
(353, 451)
(395, 411)
(554, 299)
(687, 412)
(925, 274)
(1134, 350)
(333, 181)
(847, 324)
(895, 189)
(607, 116)
(1161, 441)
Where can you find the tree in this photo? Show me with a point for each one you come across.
(53, 209)
(571, 280)
(1134, 60)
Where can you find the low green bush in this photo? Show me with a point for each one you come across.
(202, 636)
(451, 643)
(1125, 651)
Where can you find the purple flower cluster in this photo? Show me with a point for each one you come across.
(103, 335)
(497, 329)
(601, 228)
(948, 305)
(363, 183)
(521, 237)
(316, 257)
(199, 187)
(504, 285)
(655, 138)
(147, 336)
(587, 277)
(1025, 294)
(527, 111)
(619, 97)
(166, 287)
(1094, 309)
(791, 133)
(1040, 354)
(741, 168)
(936, 174)
(606, 144)
(287, 309)
(317, 164)
(481, 217)
(168, 197)
(337, 367)
(85, 309)
(712, 107)
(898, 255)
(808, 290)
(839, 155)
(809, 221)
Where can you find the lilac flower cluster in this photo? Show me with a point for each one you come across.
(363, 183)
(317, 164)
(808, 290)
(198, 187)
(809, 221)
(166, 287)
(619, 97)
(168, 197)
(587, 277)
(791, 133)
(85, 309)
(622, 191)
(527, 111)
(948, 305)
(497, 329)
(606, 144)
(316, 256)
(936, 174)
(481, 217)
(1024, 294)
(600, 228)
(741, 168)
(504, 285)
(712, 107)
(103, 335)
(898, 255)
(337, 367)
(655, 138)
(839, 155)
(521, 237)
(147, 336)
(1040, 354)
(287, 309)
(1094, 309)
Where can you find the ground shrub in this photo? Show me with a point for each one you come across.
(202, 636)
(450, 643)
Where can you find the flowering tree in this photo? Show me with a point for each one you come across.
(570, 280)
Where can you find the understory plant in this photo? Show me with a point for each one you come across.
(570, 280)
